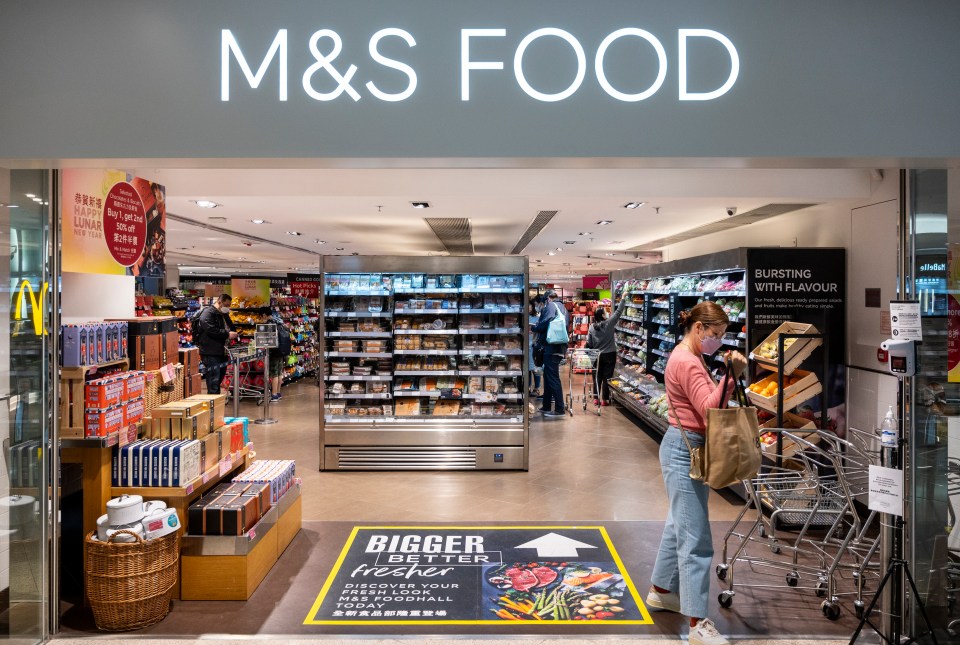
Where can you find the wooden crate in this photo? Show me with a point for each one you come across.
(73, 396)
(794, 355)
(806, 380)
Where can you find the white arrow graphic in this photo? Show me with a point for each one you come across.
(552, 545)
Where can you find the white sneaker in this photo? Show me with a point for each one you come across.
(663, 601)
(705, 633)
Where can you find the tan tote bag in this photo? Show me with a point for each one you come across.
(731, 452)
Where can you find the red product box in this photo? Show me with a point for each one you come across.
(133, 411)
(104, 393)
(134, 384)
(236, 437)
(100, 423)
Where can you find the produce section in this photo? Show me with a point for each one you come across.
(420, 353)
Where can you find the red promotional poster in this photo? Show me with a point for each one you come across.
(124, 224)
(305, 289)
(601, 282)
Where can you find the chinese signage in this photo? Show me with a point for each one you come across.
(478, 575)
(886, 490)
(113, 223)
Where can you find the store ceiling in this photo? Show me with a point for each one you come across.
(369, 212)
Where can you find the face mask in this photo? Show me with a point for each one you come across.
(709, 345)
(224, 310)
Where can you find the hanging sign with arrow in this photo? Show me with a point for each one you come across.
(478, 575)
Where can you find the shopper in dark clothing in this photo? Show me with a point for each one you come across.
(553, 354)
(601, 337)
(215, 330)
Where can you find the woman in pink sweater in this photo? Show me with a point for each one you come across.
(681, 575)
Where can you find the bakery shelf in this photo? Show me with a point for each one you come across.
(451, 310)
(358, 314)
(496, 310)
(358, 334)
(512, 330)
(491, 352)
(630, 331)
(490, 373)
(359, 354)
(202, 483)
(426, 352)
(349, 377)
(425, 331)
(425, 373)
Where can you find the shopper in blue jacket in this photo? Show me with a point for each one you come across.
(552, 356)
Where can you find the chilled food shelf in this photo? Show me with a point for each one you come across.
(358, 314)
(512, 330)
(513, 396)
(632, 345)
(359, 354)
(433, 393)
(641, 410)
(425, 332)
(427, 290)
(628, 331)
(669, 339)
(494, 310)
(349, 377)
(488, 290)
(490, 373)
(358, 334)
(372, 292)
(426, 352)
(425, 373)
(490, 352)
(359, 395)
(426, 311)
(639, 320)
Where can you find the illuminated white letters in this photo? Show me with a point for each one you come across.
(734, 64)
(392, 64)
(466, 64)
(602, 76)
(323, 62)
(581, 64)
(228, 45)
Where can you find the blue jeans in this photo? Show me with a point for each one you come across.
(552, 389)
(686, 548)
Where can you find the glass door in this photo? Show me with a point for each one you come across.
(25, 419)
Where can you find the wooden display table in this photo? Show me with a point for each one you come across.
(73, 397)
(216, 567)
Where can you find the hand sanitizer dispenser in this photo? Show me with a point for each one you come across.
(901, 356)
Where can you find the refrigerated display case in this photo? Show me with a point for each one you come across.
(424, 363)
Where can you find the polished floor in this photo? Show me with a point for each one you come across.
(585, 469)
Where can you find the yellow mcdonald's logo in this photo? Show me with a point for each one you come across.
(20, 311)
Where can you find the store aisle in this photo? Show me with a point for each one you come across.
(584, 468)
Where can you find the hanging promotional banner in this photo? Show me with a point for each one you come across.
(253, 292)
(113, 223)
(601, 282)
(953, 313)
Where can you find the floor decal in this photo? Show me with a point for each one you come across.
(457, 575)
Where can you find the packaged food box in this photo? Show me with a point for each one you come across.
(104, 393)
(100, 423)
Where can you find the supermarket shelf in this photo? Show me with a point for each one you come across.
(633, 359)
(732, 343)
(358, 334)
(359, 395)
(669, 339)
(490, 373)
(640, 320)
(426, 352)
(512, 330)
(348, 377)
(425, 373)
(690, 294)
(491, 352)
(656, 369)
(516, 396)
(497, 310)
(427, 290)
(628, 331)
(425, 331)
(449, 310)
(359, 354)
(490, 290)
(641, 411)
(379, 292)
(211, 476)
(358, 314)
(660, 305)
(660, 352)
(637, 346)
(730, 294)
(433, 393)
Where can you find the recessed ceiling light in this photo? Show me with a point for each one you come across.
(420, 204)
(30, 195)
(632, 205)
(320, 241)
(259, 221)
(610, 254)
(604, 222)
(38, 200)
(339, 248)
(205, 203)
(551, 252)
(294, 233)
(571, 242)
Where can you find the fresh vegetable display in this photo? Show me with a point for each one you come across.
(545, 591)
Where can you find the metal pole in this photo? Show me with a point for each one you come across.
(236, 387)
(266, 419)
(53, 477)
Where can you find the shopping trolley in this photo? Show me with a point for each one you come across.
(584, 361)
(244, 360)
(814, 491)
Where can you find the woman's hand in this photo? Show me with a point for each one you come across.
(738, 363)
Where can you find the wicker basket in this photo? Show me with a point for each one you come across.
(157, 393)
(130, 584)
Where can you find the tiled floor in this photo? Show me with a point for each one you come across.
(582, 469)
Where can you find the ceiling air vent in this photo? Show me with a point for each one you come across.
(455, 233)
(539, 222)
(736, 221)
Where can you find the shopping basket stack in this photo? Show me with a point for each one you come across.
(130, 584)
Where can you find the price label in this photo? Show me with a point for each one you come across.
(168, 373)
(225, 465)
(189, 489)
(252, 534)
